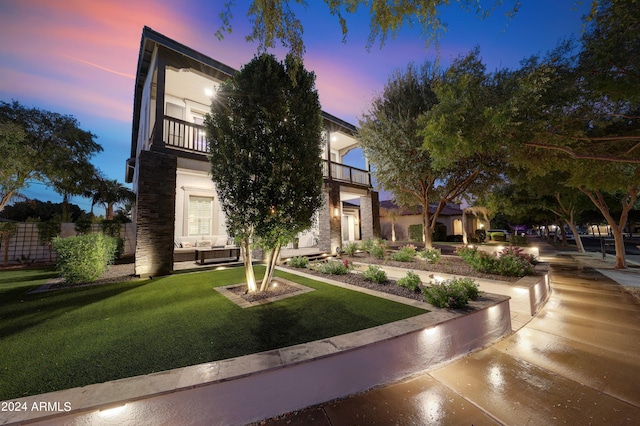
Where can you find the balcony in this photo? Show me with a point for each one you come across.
(189, 137)
(184, 135)
(347, 174)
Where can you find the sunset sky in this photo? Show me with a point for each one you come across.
(79, 57)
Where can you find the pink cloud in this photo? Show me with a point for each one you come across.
(65, 94)
(83, 54)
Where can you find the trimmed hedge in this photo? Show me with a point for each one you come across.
(84, 258)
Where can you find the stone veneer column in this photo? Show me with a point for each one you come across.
(330, 225)
(370, 216)
(155, 213)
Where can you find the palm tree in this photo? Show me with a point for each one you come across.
(110, 192)
(392, 214)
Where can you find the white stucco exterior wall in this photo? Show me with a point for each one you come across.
(192, 178)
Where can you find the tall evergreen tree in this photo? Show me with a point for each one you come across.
(265, 134)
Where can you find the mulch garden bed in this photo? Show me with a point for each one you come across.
(280, 289)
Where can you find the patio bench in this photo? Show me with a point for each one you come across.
(208, 253)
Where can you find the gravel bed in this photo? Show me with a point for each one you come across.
(388, 286)
(113, 274)
(448, 264)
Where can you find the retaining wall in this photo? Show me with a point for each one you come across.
(254, 387)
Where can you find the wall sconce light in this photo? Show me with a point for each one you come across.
(336, 212)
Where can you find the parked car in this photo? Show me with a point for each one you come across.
(495, 235)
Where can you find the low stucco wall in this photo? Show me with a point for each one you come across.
(263, 385)
(528, 294)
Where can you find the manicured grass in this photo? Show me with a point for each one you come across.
(74, 337)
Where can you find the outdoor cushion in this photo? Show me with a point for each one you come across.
(186, 244)
(203, 243)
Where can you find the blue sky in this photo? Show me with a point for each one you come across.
(79, 57)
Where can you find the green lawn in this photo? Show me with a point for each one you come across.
(74, 337)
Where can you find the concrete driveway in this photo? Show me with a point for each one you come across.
(577, 362)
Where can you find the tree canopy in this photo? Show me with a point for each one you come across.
(43, 146)
(265, 134)
(277, 20)
(579, 110)
(22, 211)
(393, 135)
(574, 111)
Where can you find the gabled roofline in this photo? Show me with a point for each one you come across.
(149, 39)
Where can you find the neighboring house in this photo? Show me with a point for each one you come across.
(176, 198)
(449, 220)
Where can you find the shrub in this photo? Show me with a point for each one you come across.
(411, 281)
(375, 274)
(83, 224)
(513, 266)
(378, 251)
(511, 261)
(332, 268)
(453, 293)
(351, 249)
(439, 233)
(405, 254)
(113, 229)
(85, 257)
(430, 255)
(299, 262)
(518, 252)
(367, 245)
(519, 240)
(497, 236)
(454, 238)
(415, 232)
(481, 235)
(466, 253)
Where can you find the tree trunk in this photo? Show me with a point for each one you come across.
(274, 257)
(65, 208)
(250, 277)
(393, 230)
(616, 228)
(5, 199)
(621, 256)
(427, 234)
(109, 212)
(574, 229)
(465, 239)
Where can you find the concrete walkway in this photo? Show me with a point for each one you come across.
(577, 362)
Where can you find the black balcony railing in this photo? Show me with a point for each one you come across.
(344, 173)
(187, 136)
(184, 135)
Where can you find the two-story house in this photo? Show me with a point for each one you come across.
(176, 198)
